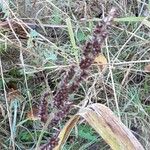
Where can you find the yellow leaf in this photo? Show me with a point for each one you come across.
(101, 61)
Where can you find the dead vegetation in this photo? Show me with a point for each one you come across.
(45, 56)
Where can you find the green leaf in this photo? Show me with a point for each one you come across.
(81, 36)
(87, 133)
(56, 18)
(129, 19)
(50, 56)
(33, 33)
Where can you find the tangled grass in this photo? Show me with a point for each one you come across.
(41, 40)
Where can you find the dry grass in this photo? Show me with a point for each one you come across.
(32, 60)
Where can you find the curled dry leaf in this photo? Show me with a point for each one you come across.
(101, 61)
(33, 114)
(147, 68)
(110, 128)
(107, 125)
(65, 132)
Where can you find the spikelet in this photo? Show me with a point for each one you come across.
(42, 113)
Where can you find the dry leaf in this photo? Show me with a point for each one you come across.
(65, 132)
(33, 114)
(18, 28)
(101, 61)
(147, 68)
(109, 127)
(13, 94)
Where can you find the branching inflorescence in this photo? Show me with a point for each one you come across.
(91, 50)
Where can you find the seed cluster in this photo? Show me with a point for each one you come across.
(43, 107)
(86, 63)
(61, 96)
(60, 115)
(72, 78)
(77, 80)
(63, 92)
